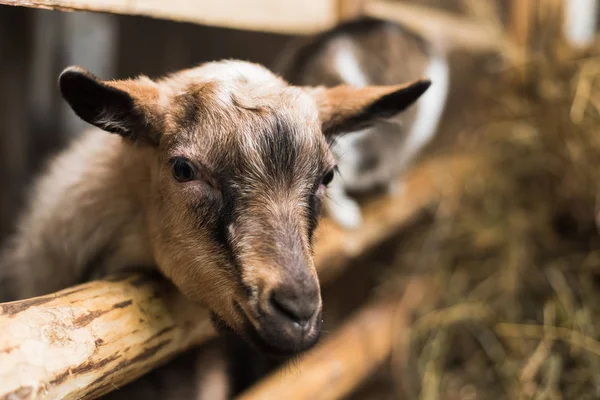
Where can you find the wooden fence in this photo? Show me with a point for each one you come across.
(86, 340)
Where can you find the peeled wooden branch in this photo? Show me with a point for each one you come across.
(384, 216)
(87, 340)
(90, 339)
(343, 360)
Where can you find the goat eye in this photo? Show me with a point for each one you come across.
(328, 177)
(183, 171)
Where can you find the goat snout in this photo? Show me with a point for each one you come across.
(290, 317)
(294, 305)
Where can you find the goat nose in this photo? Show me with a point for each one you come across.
(298, 308)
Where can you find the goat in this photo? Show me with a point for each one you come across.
(369, 51)
(214, 175)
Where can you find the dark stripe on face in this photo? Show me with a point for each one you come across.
(314, 211)
(188, 111)
(285, 164)
(279, 151)
(216, 216)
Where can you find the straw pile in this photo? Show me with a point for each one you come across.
(514, 259)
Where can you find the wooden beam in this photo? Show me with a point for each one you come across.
(90, 339)
(453, 32)
(343, 360)
(87, 340)
(385, 216)
(278, 16)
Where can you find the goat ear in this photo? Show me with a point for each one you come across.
(345, 109)
(128, 108)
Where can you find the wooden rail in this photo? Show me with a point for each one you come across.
(87, 340)
(279, 16)
(443, 28)
(293, 16)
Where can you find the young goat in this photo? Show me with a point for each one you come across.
(215, 176)
(366, 52)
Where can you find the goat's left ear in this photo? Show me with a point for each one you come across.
(126, 107)
(345, 109)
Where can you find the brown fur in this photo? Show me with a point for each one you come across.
(343, 106)
(233, 237)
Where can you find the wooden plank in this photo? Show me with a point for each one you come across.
(441, 27)
(343, 360)
(87, 340)
(278, 16)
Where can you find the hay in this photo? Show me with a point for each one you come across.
(515, 259)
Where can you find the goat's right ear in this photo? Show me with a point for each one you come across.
(345, 109)
(128, 108)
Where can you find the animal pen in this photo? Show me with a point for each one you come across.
(481, 280)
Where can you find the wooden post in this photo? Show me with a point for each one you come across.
(343, 360)
(539, 26)
(349, 9)
(520, 22)
(81, 32)
(15, 163)
(87, 340)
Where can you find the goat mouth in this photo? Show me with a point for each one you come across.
(270, 344)
(274, 348)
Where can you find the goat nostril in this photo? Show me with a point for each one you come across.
(290, 306)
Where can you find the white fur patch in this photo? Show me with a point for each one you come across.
(395, 188)
(580, 21)
(344, 210)
(347, 66)
(348, 154)
(430, 108)
(234, 72)
(341, 207)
